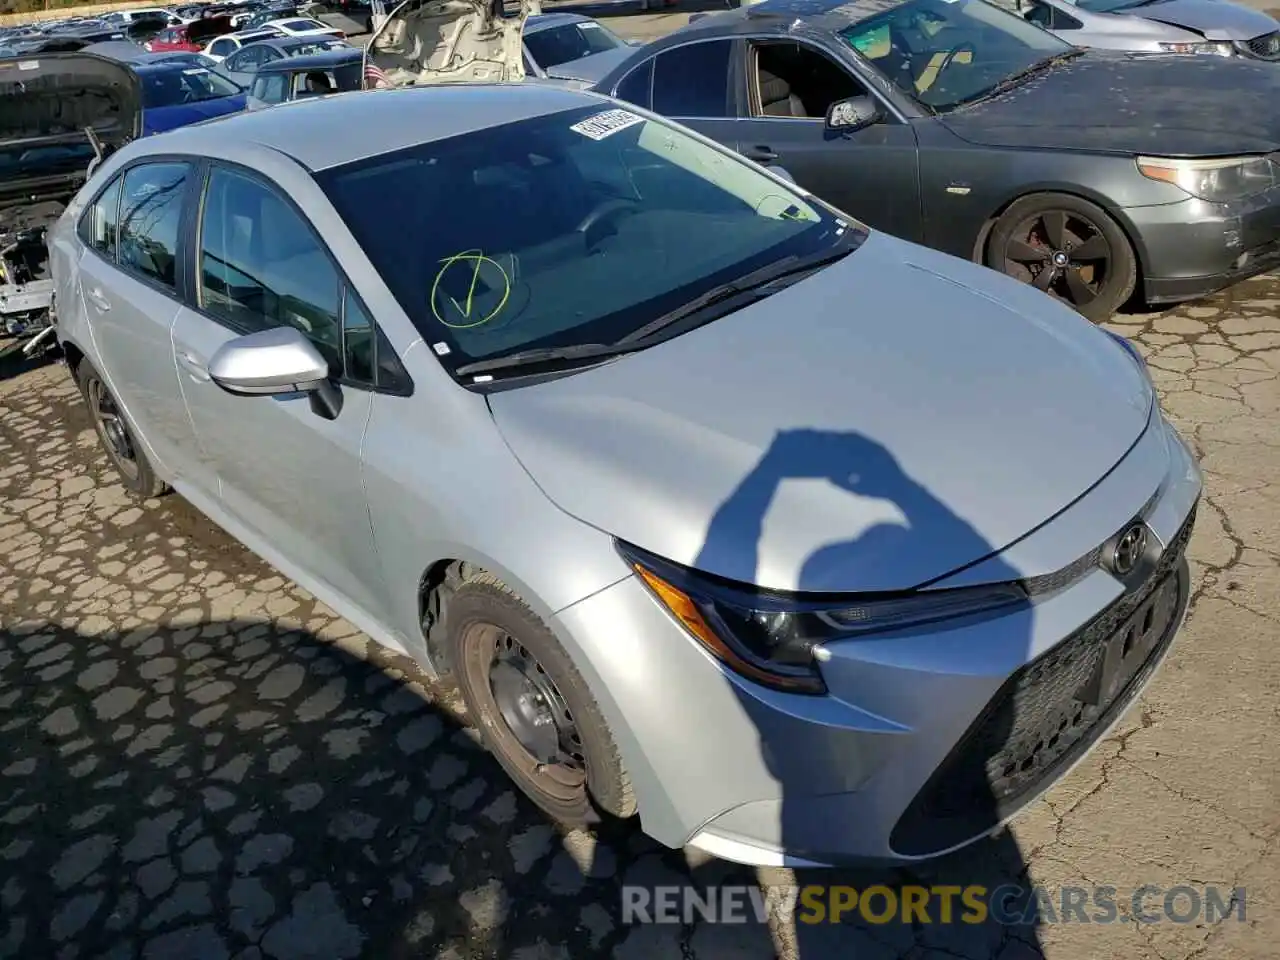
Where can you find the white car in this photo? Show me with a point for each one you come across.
(125, 17)
(224, 46)
(304, 27)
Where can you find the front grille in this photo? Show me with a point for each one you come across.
(1045, 716)
(1265, 47)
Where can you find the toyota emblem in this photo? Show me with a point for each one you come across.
(1129, 549)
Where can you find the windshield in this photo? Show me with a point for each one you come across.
(169, 88)
(315, 46)
(300, 25)
(947, 52)
(573, 228)
(573, 41)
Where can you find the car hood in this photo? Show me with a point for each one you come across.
(448, 41)
(1133, 103)
(1212, 18)
(51, 97)
(592, 69)
(950, 403)
(160, 119)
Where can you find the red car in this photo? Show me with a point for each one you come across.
(189, 37)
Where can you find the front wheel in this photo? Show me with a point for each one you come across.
(532, 707)
(1067, 247)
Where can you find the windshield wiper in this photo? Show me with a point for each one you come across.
(751, 283)
(578, 351)
(754, 282)
(1022, 76)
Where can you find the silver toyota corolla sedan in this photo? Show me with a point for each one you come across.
(806, 543)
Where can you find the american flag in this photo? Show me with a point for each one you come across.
(374, 77)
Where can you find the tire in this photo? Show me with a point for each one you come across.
(1038, 238)
(117, 436)
(495, 644)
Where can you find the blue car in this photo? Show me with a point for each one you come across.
(177, 93)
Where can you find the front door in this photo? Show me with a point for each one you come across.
(872, 174)
(129, 282)
(289, 475)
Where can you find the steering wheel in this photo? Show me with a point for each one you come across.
(954, 52)
(604, 211)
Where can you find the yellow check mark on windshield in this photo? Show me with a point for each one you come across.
(477, 259)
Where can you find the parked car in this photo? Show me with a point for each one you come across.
(1213, 27)
(960, 125)
(125, 17)
(43, 162)
(191, 37)
(126, 51)
(143, 28)
(569, 46)
(304, 27)
(175, 94)
(404, 48)
(496, 424)
(299, 78)
(242, 65)
(271, 12)
(222, 47)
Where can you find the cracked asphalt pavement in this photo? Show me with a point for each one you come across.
(198, 760)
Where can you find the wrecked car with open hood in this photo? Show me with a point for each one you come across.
(63, 113)
(462, 41)
(447, 41)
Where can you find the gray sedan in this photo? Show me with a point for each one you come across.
(241, 66)
(1212, 27)
(665, 464)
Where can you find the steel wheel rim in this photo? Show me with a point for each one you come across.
(518, 691)
(1063, 254)
(111, 428)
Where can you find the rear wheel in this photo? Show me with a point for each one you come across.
(532, 707)
(116, 435)
(1067, 247)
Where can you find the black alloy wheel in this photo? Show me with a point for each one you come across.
(1070, 249)
(116, 436)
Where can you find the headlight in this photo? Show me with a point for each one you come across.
(772, 639)
(1216, 180)
(1210, 47)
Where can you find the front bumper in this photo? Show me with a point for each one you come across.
(1192, 248)
(927, 741)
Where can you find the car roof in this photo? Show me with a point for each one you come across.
(142, 67)
(546, 21)
(375, 122)
(301, 16)
(313, 61)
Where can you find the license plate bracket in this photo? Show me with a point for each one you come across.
(1129, 647)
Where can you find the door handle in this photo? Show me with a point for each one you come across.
(195, 367)
(98, 299)
(761, 154)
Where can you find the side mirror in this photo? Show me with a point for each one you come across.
(275, 362)
(853, 114)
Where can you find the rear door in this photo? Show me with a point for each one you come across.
(694, 83)
(130, 277)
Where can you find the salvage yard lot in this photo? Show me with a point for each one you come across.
(199, 760)
(202, 761)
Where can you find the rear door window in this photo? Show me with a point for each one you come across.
(693, 80)
(150, 215)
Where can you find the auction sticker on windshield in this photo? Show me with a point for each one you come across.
(606, 124)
